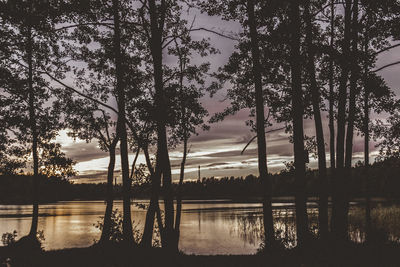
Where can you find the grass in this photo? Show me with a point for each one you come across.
(384, 219)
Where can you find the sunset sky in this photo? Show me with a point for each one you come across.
(217, 151)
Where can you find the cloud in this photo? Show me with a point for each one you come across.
(218, 150)
(84, 152)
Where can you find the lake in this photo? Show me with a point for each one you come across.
(214, 227)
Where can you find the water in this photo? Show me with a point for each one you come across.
(206, 228)
(215, 227)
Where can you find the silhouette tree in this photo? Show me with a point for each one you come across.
(54, 163)
(163, 23)
(332, 89)
(260, 72)
(316, 104)
(297, 115)
(158, 14)
(389, 135)
(188, 86)
(87, 121)
(378, 27)
(339, 207)
(12, 153)
(357, 46)
(260, 124)
(105, 31)
(353, 85)
(121, 127)
(35, 49)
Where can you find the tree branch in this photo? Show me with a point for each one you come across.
(78, 92)
(134, 162)
(254, 137)
(215, 32)
(69, 87)
(109, 25)
(386, 66)
(148, 161)
(326, 6)
(386, 49)
(171, 77)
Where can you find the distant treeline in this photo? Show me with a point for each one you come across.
(18, 189)
(383, 179)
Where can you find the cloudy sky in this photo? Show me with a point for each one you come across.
(218, 151)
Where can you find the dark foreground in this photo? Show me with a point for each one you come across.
(113, 256)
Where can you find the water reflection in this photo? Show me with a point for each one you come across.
(251, 229)
(206, 228)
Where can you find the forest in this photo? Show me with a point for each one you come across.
(132, 75)
(383, 181)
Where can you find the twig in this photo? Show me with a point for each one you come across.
(386, 66)
(254, 137)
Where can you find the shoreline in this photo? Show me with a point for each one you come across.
(316, 255)
(278, 199)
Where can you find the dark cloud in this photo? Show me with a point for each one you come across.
(215, 164)
(84, 151)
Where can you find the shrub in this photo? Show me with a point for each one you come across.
(9, 238)
(116, 232)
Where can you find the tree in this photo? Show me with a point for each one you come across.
(12, 153)
(158, 15)
(106, 37)
(164, 25)
(297, 116)
(173, 103)
(388, 134)
(359, 48)
(262, 72)
(332, 89)
(188, 87)
(316, 103)
(33, 120)
(354, 77)
(260, 125)
(54, 163)
(87, 121)
(377, 95)
(339, 206)
(121, 127)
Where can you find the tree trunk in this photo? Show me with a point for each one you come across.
(185, 121)
(366, 137)
(32, 119)
(352, 106)
(160, 225)
(332, 95)
(153, 207)
(338, 224)
(316, 99)
(163, 162)
(353, 88)
(105, 234)
(121, 128)
(366, 160)
(149, 222)
(260, 123)
(179, 194)
(298, 135)
(165, 167)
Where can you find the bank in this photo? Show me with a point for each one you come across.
(349, 254)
